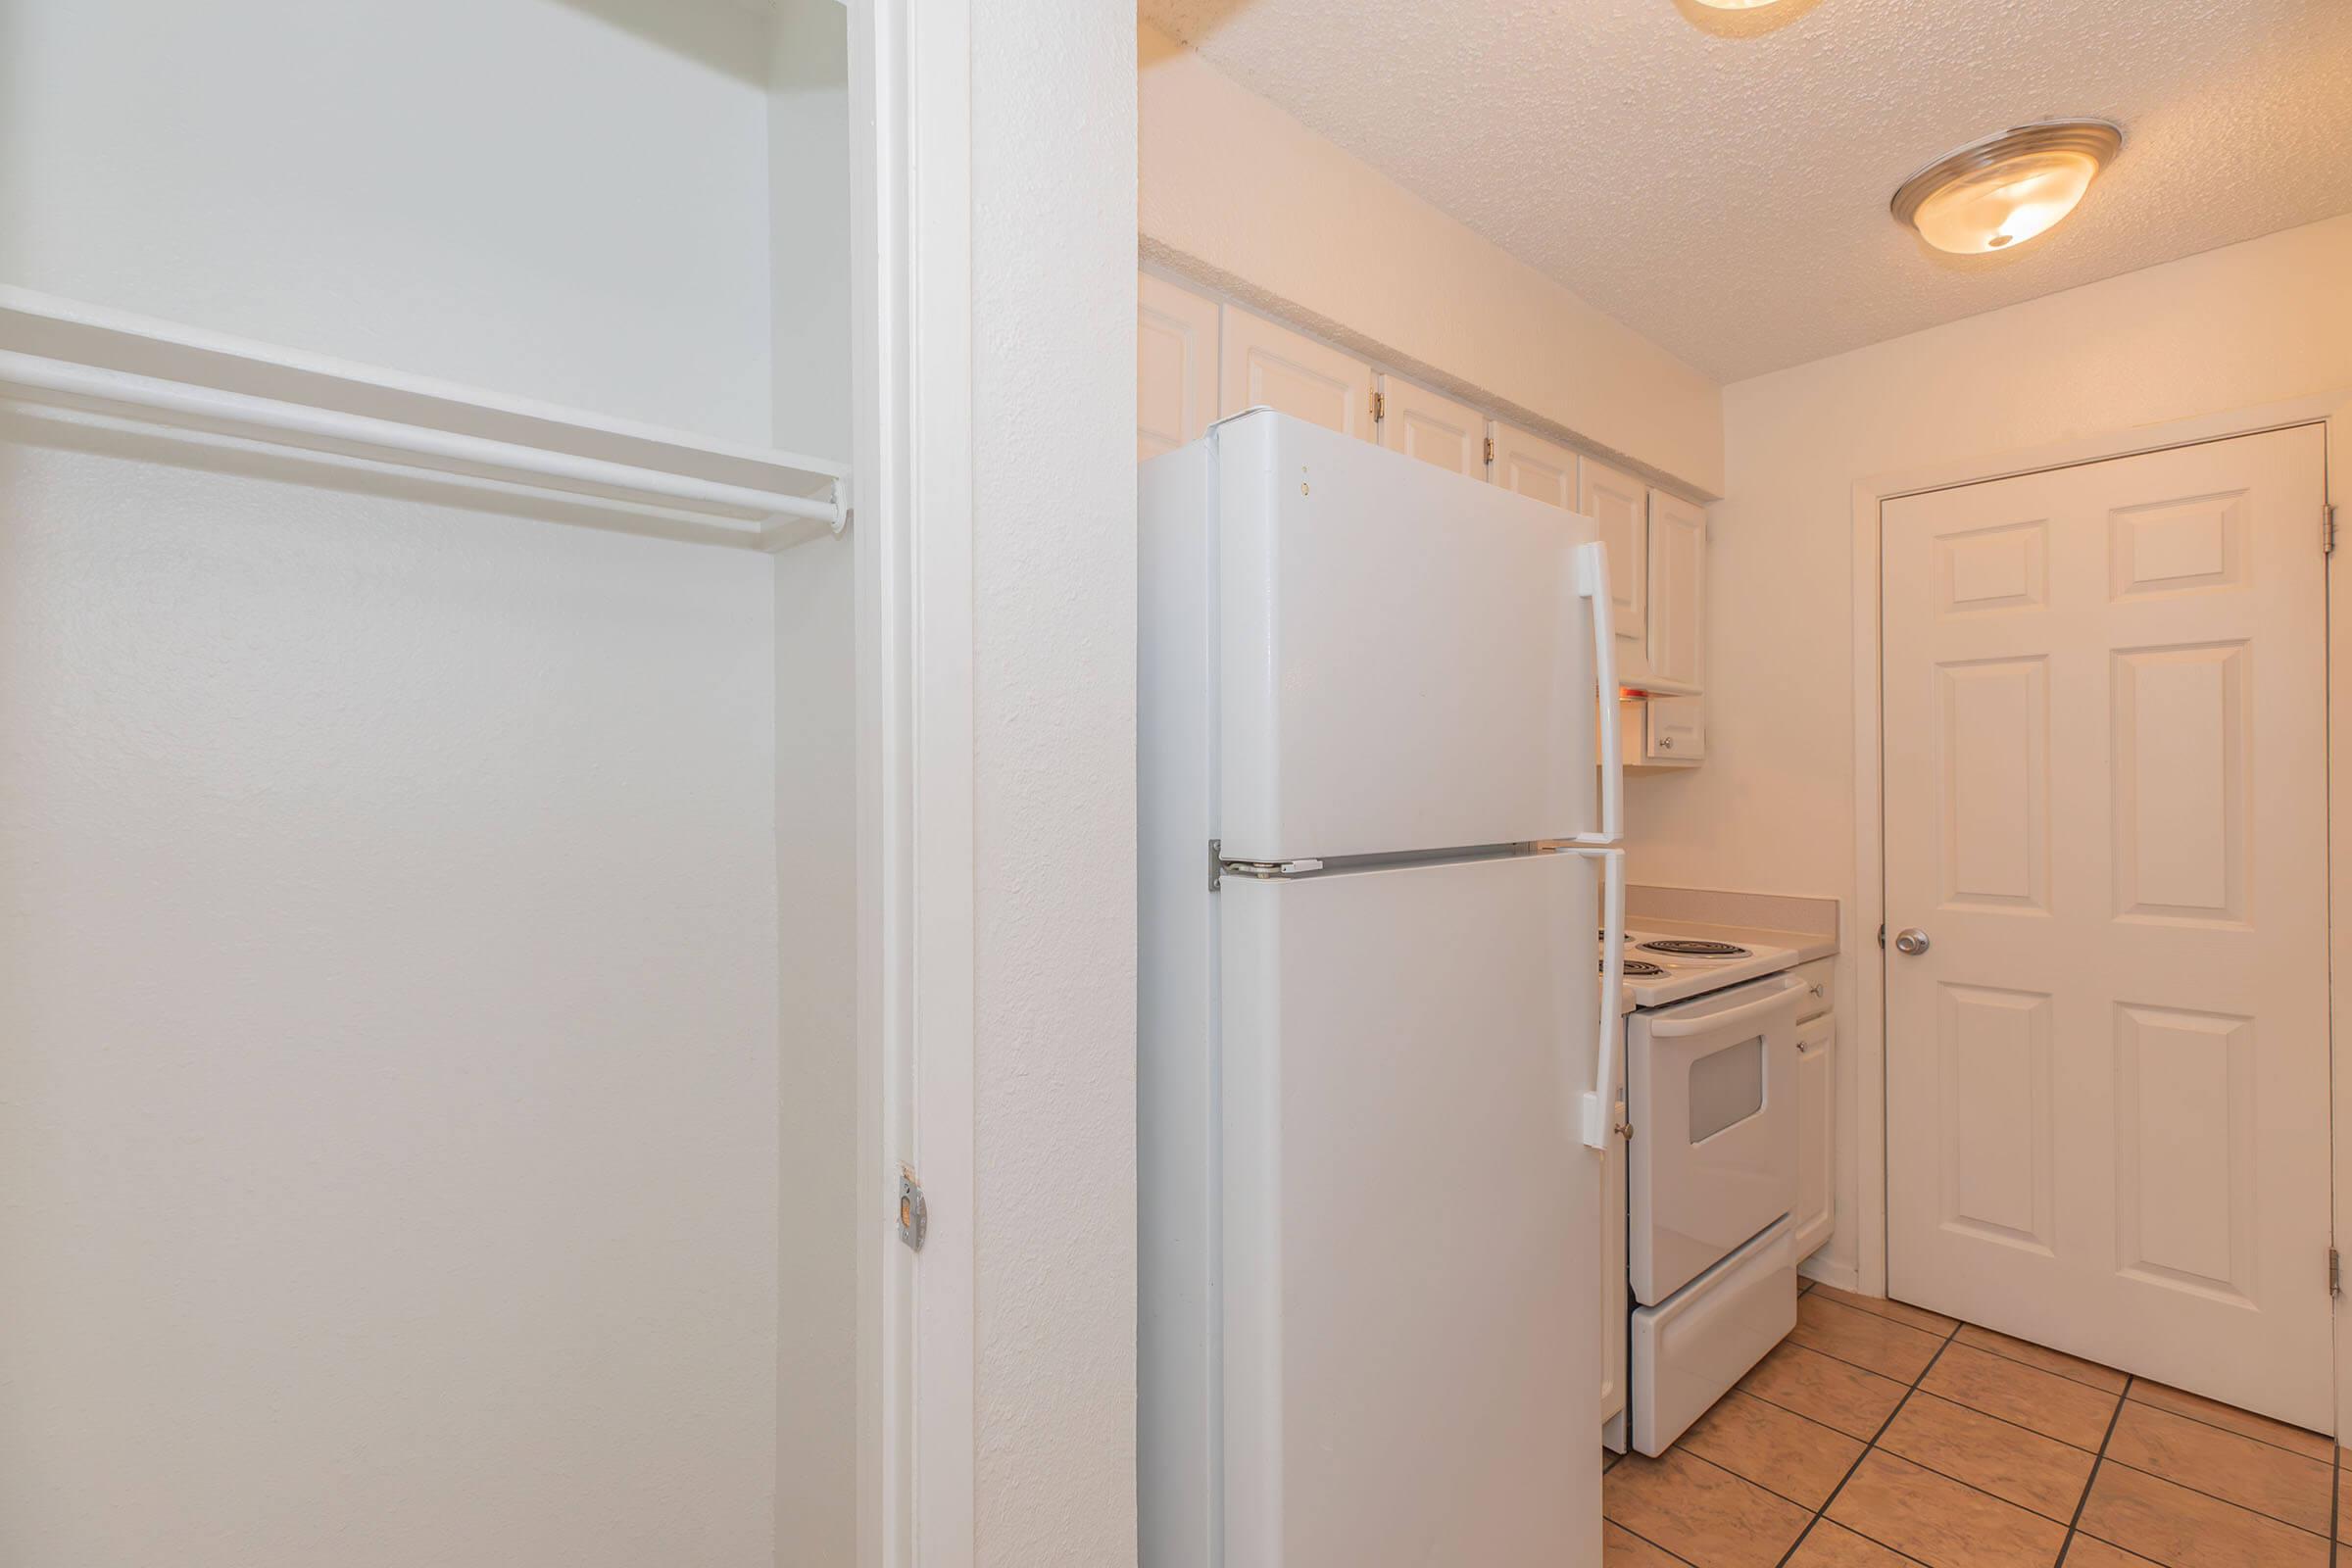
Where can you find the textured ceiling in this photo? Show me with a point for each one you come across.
(1718, 181)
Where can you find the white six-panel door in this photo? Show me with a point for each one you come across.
(2105, 807)
(1265, 363)
(1419, 423)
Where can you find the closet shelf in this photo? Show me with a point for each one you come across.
(62, 354)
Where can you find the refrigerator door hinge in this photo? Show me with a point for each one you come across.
(2328, 529)
(2335, 1272)
(1220, 868)
(1380, 408)
(915, 1215)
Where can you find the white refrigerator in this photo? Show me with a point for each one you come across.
(1378, 869)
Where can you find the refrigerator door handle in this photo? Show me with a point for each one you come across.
(1600, 1109)
(1592, 582)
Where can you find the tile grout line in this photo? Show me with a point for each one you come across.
(2075, 1524)
(1646, 1542)
(2210, 1497)
(1867, 1448)
(2216, 1426)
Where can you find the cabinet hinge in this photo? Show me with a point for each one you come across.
(915, 1215)
(1489, 449)
(2328, 529)
(2335, 1272)
(1380, 408)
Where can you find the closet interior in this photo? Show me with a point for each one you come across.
(428, 1095)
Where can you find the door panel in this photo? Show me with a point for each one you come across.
(1534, 467)
(1816, 1133)
(2105, 804)
(1409, 1339)
(1260, 363)
(1405, 662)
(1419, 423)
(1620, 504)
(1175, 365)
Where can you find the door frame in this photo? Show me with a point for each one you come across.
(912, 523)
(1865, 1023)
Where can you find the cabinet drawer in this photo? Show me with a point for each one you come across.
(1674, 731)
(1820, 988)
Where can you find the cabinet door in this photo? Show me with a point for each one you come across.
(1175, 365)
(1678, 592)
(1419, 423)
(1816, 1132)
(1535, 466)
(1261, 363)
(1620, 504)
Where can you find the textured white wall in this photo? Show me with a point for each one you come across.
(1053, 539)
(1240, 194)
(1774, 810)
(388, 999)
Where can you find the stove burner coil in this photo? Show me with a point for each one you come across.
(1685, 948)
(1641, 969)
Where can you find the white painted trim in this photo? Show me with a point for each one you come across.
(911, 194)
(1866, 1022)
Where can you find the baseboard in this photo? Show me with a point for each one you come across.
(1844, 1276)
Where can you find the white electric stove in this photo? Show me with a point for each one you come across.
(1697, 1235)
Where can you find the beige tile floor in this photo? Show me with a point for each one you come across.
(1880, 1435)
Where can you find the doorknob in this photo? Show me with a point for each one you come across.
(1911, 942)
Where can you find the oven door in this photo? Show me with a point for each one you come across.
(1713, 1103)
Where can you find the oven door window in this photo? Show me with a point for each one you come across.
(1726, 1087)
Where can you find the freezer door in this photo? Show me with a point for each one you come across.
(1405, 659)
(1409, 1367)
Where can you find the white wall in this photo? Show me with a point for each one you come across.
(389, 996)
(1239, 194)
(1773, 810)
(1054, 563)
(817, 805)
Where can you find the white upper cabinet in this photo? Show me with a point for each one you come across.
(1419, 423)
(1175, 365)
(1620, 504)
(1262, 362)
(1535, 466)
(1678, 593)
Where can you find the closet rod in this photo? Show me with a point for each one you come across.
(61, 352)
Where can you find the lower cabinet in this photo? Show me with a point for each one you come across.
(1816, 1132)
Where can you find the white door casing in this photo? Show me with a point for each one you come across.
(1419, 423)
(1175, 365)
(1260, 362)
(1620, 504)
(2104, 778)
(1534, 467)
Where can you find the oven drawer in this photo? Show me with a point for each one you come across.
(1713, 1103)
(1688, 1351)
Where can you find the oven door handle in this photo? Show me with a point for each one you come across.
(1666, 1026)
(1598, 1111)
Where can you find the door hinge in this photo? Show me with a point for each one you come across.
(2328, 529)
(915, 1215)
(2335, 1272)
(1881, 934)
(1380, 408)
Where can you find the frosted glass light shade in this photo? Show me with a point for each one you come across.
(2000, 192)
(1736, 5)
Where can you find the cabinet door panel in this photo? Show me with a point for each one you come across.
(1816, 1133)
(1620, 504)
(1175, 365)
(1419, 423)
(1535, 466)
(1261, 363)
(1678, 591)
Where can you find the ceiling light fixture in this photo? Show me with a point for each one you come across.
(1736, 5)
(1999, 192)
